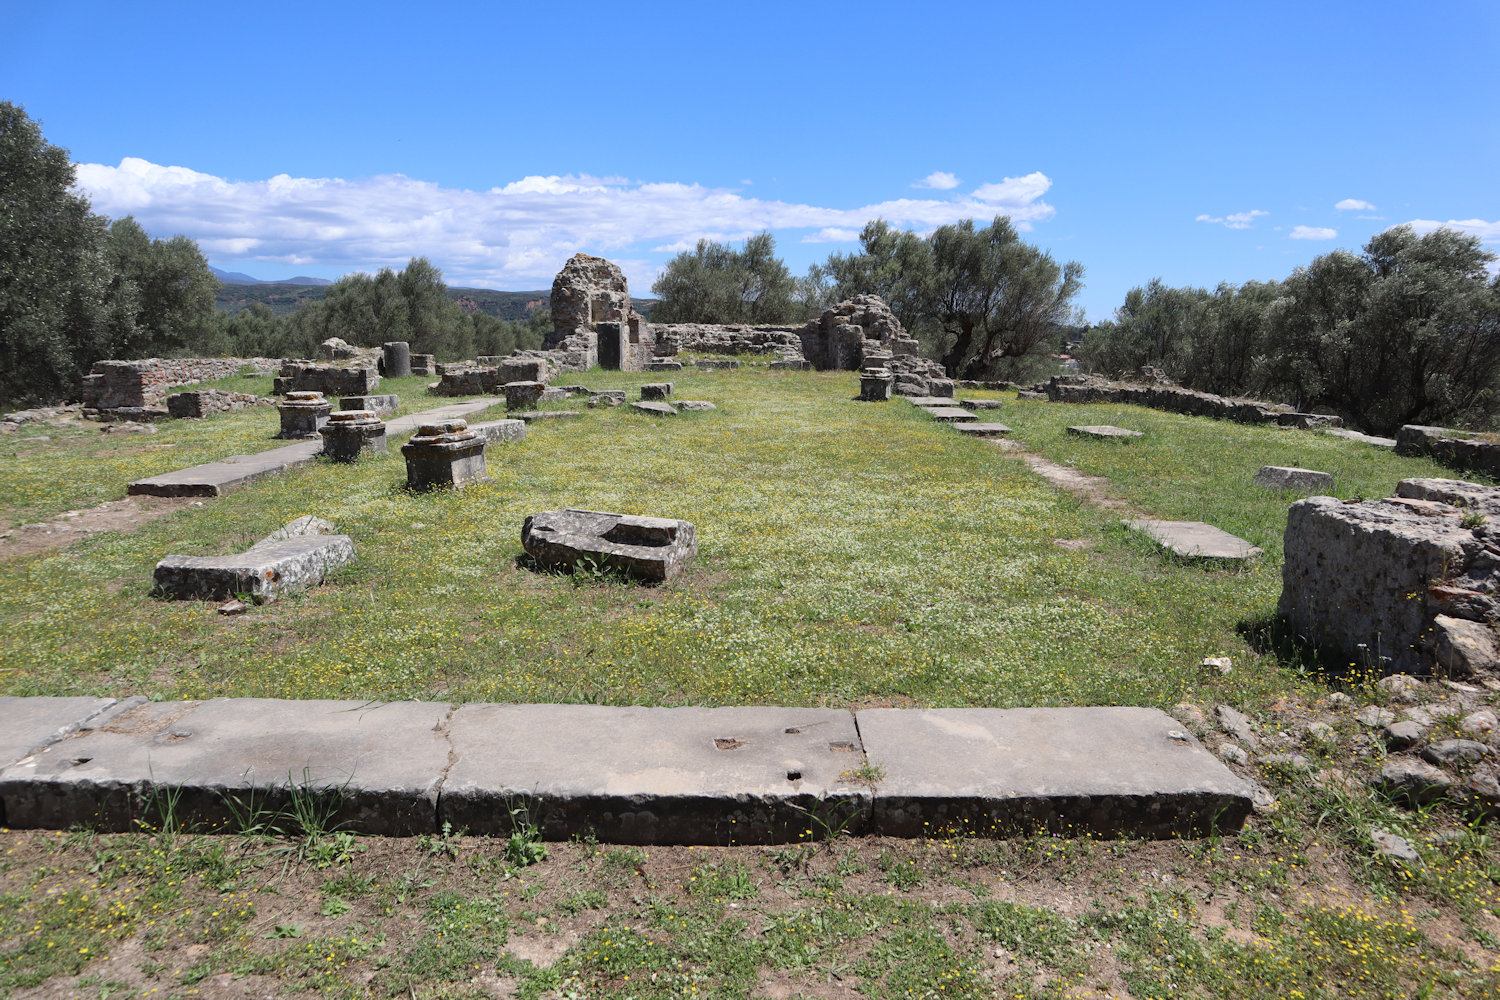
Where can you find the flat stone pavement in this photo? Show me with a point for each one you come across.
(1196, 540)
(630, 775)
(216, 478)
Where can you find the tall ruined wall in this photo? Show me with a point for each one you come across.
(586, 292)
(843, 335)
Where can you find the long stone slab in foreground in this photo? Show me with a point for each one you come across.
(629, 775)
(988, 771)
(1196, 540)
(377, 765)
(742, 775)
(217, 478)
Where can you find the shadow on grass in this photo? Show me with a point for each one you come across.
(1272, 635)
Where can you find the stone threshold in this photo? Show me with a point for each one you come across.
(745, 774)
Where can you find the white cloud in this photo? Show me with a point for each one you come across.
(1239, 220)
(1354, 205)
(1487, 231)
(938, 180)
(832, 235)
(1312, 233)
(511, 235)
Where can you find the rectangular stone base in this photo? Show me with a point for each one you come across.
(263, 573)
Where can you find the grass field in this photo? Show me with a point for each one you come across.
(851, 554)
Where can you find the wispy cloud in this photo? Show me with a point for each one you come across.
(938, 180)
(515, 234)
(1487, 231)
(1239, 220)
(1312, 233)
(1354, 205)
(832, 235)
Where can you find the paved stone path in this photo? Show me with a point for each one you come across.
(216, 478)
(631, 775)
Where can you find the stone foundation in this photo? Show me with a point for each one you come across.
(331, 380)
(1369, 579)
(200, 403)
(654, 549)
(445, 455)
(303, 414)
(1091, 389)
(143, 384)
(351, 433)
(1452, 448)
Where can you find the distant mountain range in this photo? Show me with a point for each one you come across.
(237, 278)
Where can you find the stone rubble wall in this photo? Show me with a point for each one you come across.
(1174, 399)
(706, 338)
(1451, 448)
(143, 384)
(842, 336)
(300, 375)
(467, 378)
(201, 402)
(1383, 582)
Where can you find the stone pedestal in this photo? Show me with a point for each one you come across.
(875, 384)
(303, 414)
(522, 395)
(656, 390)
(350, 433)
(397, 357)
(445, 455)
(423, 364)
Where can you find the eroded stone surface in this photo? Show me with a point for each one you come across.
(979, 428)
(1285, 477)
(1196, 540)
(656, 409)
(351, 433)
(654, 549)
(445, 455)
(1104, 432)
(383, 406)
(294, 559)
(656, 390)
(949, 414)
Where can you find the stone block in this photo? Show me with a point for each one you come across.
(382, 406)
(694, 404)
(738, 775)
(29, 724)
(949, 414)
(718, 366)
(790, 365)
(1282, 477)
(1466, 648)
(303, 414)
(932, 400)
(500, 430)
(351, 433)
(653, 549)
(396, 358)
(656, 409)
(656, 390)
(980, 404)
(532, 416)
(662, 366)
(941, 386)
(982, 429)
(1132, 772)
(875, 385)
(444, 455)
(199, 403)
(1344, 432)
(607, 397)
(232, 751)
(1308, 421)
(522, 395)
(1104, 432)
(280, 564)
(1196, 540)
(423, 364)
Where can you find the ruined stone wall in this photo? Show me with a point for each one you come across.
(144, 383)
(1173, 399)
(1452, 448)
(707, 338)
(468, 379)
(330, 380)
(1405, 584)
(587, 291)
(844, 334)
(201, 402)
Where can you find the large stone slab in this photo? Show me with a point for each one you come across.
(932, 400)
(1196, 540)
(500, 430)
(982, 429)
(1104, 432)
(981, 404)
(654, 549)
(28, 724)
(1344, 432)
(376, 766)
(1289, 477)
(280, 564)
(1111, 771)
(950, 414)
(656, 775)
(656, 409)
(383, 405)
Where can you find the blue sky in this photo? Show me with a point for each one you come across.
(1194, 142)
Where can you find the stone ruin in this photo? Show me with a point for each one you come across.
(297, 375)
(1457, 449)
(1168, 397)
(303, 414)
(137, 390)
(199, 403)
(843, 335)
(446, 454)
(291, 559)
(654, 549)
(592, 320)
(492, 374)
(348, 434)
(1408, 584)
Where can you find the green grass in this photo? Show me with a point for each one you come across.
(848, 553)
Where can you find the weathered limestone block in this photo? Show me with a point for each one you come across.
(500, 430)
(294, 558)
(201, 402)
(790, 365)
(1282, 477)
(445, 455)
(662, 366)
(694, 404)
(1308, 421)
(396, 358)
(423, 364)
(1104, 432)
(351, 433)
(656, 390)
(717, 366)
(941, 386)
(1465, 648)
(1453, 448)
(840, 337)
(331, 380)
(654, 549)
(949, 414)
(875, 385)
(303, 414)
(337, 349)
(383, 406)
(1368, 579)
(1197, 540)
(655, 408)
(981, 429)
(522, 395)
(607, 397)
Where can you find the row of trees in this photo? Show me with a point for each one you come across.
(1407, 331)
(979, 297)
(76, 287)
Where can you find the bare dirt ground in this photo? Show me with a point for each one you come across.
(122, 515)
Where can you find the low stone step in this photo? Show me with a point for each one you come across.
(1344, 432)
(264, 572)
(631, 775)
(656, 409)
(1196, 540)
(1104, 432)
(931, 400)
(949, 414)
(982, 429)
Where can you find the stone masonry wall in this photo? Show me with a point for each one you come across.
(1392, 582)
(1452, 448)
(330, 380)
(1173, 399)
(112, 385)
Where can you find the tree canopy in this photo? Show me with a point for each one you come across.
(715, 283)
